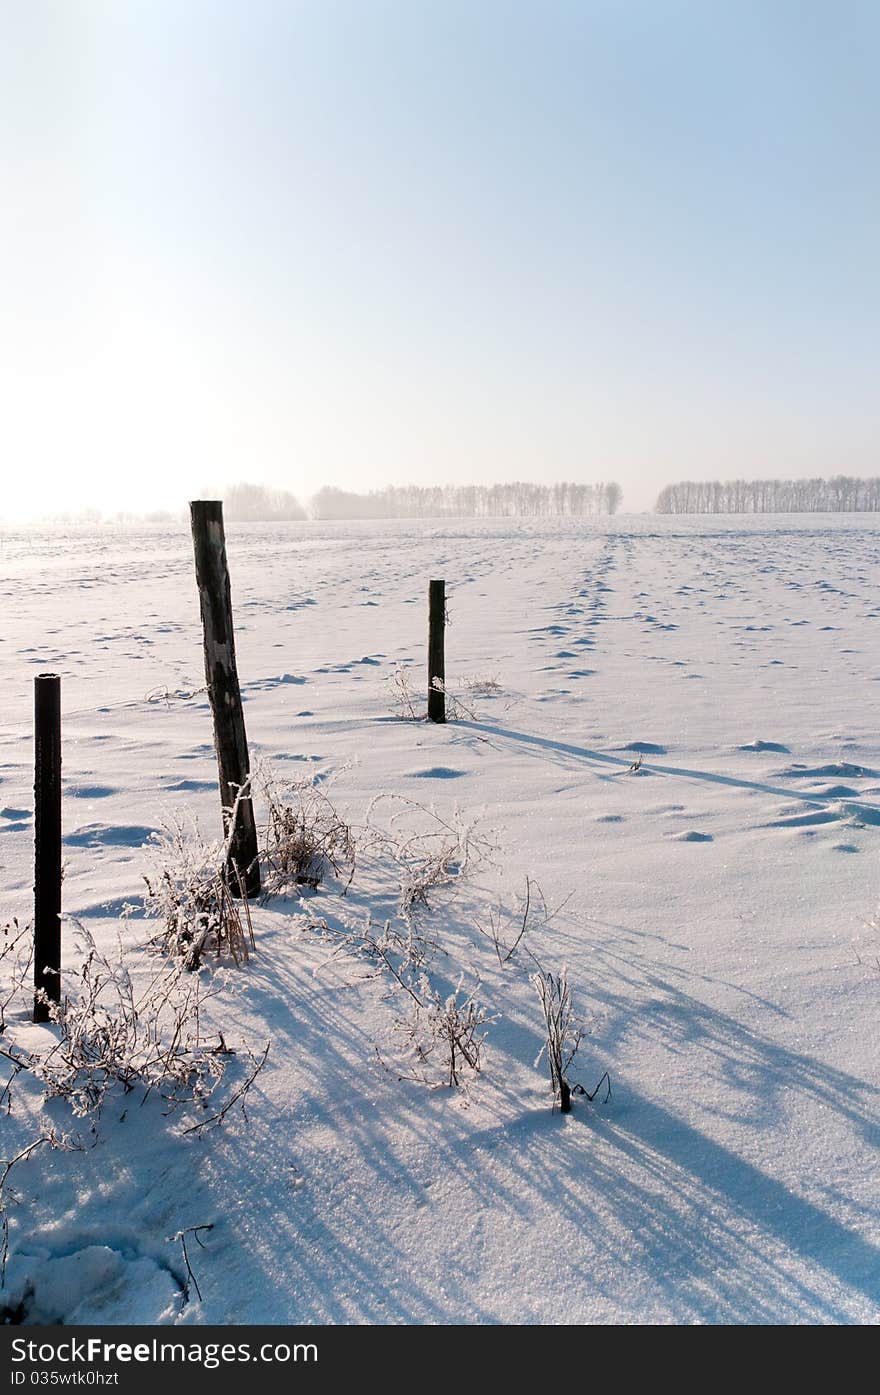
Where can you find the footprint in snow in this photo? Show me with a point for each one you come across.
(820, 816)
(757, 745)
(262, 684)
(834, 792)
(437, 772)
(84, 1285)
(818, 772)
(190, 786)
(96, 835)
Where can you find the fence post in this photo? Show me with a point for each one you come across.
(221, 675)
(47, 843)
(436, 650)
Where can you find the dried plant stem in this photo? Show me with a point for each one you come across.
(190, 1276)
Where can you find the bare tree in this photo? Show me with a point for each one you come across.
(840, 494)
(519, 499)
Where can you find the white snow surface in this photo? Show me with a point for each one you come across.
(715, 908)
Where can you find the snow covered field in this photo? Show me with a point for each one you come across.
(714, 908)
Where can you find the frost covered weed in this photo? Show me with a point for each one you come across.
(426, 855)
(481, 685)
(16, 957)
(410, 704)
(304, 838)
(190, 893)
(562, 1038)
(406, 703)
(509, 927)
(444, 1032)
(461, 694)
(406, 947)
(112, 1033)
(108, 1034)
(430, 857)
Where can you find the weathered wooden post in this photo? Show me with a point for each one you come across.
(47, 843)
(215, 599)
(436, 651)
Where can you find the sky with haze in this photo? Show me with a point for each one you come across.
(362, 242)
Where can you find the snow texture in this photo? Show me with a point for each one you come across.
(680, 746)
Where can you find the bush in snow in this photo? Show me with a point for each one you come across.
(408, 703)
(561, 1038)
(445, 1031)
(111, 1032)
(189, 891)
(405, 701)
(304, 837)
(431, 853)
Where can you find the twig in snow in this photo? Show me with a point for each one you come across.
(533, 913)
(190, 1276)
(5, 1191)
(18, 944)
(233, 1099)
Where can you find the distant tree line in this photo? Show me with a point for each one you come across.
(842, 494)
(254, 503)
(516, 500)
(257, 503)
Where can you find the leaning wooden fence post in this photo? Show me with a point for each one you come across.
(215, 599)
(47, 844)
(436, 651)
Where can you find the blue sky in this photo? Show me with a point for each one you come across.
(387, 240)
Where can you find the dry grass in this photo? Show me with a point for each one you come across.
(405, 701)
(16, 958)
(304, 838)
(445, 1033)
(111, 1032)
(410, 703)
(190, 893)
(431, 853)
(562, 1038)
